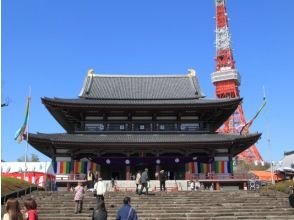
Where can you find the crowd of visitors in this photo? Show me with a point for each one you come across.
(14, 212)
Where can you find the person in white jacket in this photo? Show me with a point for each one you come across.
(100, 189)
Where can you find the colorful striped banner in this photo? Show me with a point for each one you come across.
(192, 167)
(80, 167)
(205, 168)
(195, 167)
(91, 166)
(223, 167)
(63, 167)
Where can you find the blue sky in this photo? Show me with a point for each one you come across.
(49, 45)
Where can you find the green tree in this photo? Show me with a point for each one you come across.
(244, 167)
(33, 158)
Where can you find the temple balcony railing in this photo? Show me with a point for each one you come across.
(145, 125)
(142, 132)
(66, 177)
(220, 176)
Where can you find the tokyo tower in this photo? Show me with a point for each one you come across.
(227, 79)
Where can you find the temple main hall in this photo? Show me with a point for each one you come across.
(120, 124)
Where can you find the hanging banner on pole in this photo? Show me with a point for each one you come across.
(20, 132)
(245, 128)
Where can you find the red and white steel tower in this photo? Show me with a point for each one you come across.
(227, 79)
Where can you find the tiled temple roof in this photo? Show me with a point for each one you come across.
(141, 87)
(142, 138)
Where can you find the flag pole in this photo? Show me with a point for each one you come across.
(27, 135)
(269, 141)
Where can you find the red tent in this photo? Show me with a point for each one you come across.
(39, 173)
(264, 175)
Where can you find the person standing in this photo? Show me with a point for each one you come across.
(138, 181)
(79, 196)
(197, 185)
(192, 185)
(112, 182)
(144, 181)
(90, 179)
(31, 209)
(100, 212)
(100, 189)
(127, 212)
(162, 179)
(12, 209)
(96, 176)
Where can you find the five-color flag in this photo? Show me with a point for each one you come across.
(20, 132)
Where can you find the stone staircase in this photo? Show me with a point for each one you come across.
(172, 205)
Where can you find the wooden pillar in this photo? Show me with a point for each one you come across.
(72, 166)
(128, 172)
(231, 163)
(71, 172)
(217, 186)
(54, 163)
(157, 170)
(213, 163)
(98, 170)
(188, 175)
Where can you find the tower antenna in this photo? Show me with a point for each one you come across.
(227, 79)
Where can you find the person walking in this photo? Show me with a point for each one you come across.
(144, 181)
(162, 179)
(12, 209)
(138, 181)
(100, 212)
(79, 196)
(100, 189)
(126, 212)
(31, 209)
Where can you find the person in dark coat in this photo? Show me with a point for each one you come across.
(100, 212)
(144, 181)
(162, 179)
(127, 212)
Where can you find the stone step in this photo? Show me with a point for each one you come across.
(252, 217)
(174, 206)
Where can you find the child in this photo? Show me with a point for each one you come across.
(12, 210)
(31, 209)
(79, 196)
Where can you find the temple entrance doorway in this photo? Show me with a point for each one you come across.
(115, 172)
(141, 167)
(174, 171)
